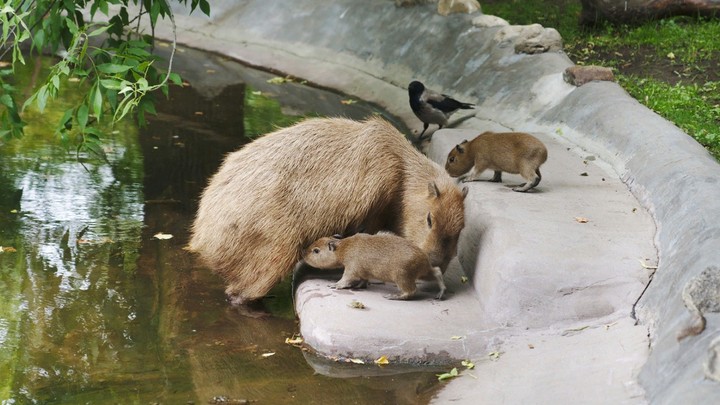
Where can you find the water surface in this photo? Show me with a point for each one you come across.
(94, 309)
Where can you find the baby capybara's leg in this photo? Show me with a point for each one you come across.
(441, 283)
(407, 289)
(531, 175)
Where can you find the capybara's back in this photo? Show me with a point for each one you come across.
(283, 191)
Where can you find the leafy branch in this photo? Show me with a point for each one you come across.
(113, 62)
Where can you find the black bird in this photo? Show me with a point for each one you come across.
(432, 107)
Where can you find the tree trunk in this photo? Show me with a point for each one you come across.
(635, 11)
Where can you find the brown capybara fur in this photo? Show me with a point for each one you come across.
(322, 176)
(511, 152)
(383, 256)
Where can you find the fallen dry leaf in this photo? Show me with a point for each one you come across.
(162, 236)
(348, 101)
(383, 360)
(266, 355)
(495, 355)
(8, 249)
(295, 340)
(356, 304)
(582, 220)
(468, 364)
(279, 80)
(356, 361)
(463, 279)
(457, 337)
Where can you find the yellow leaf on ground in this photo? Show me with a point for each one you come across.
(295, 340)
(348, 101)
(382, 360)
(266, 355)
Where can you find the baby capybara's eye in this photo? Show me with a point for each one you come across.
(316, 250)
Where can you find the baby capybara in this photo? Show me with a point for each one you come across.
(511, 152)
(383, 256)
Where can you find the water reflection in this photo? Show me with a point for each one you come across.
(96, 310)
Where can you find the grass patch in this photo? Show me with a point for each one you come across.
(669, 65)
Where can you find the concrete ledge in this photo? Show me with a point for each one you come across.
(371, 50)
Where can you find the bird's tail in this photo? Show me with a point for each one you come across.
(467, 106)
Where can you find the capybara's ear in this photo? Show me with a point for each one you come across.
(465, 191)
(337, 236)
(332, 245)
(433, 189)
(459, 148)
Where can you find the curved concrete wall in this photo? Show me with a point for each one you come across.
(371, 49)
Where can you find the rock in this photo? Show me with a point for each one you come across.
(487, 21)
(701, 295)
(712, 363)
(447, 7)
(530, 39)
(579, 75)
(549, 40)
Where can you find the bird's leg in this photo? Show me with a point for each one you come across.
(425, 127)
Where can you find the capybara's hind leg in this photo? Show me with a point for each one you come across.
(532, 178)
(251, 278)
(407, 290)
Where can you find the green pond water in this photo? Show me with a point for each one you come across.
(94, 309)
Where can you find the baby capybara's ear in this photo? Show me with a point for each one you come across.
(332, 245)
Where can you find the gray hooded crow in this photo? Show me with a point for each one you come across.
(432, 107)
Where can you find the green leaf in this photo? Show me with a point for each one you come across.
(175, 78)
(111, 84)
(56, 81)
(42, 96)
(7, 101)
(99, 31)
(71, 26)
(205, 7)
(66, 121)
(112, 68)
(97, 100)
(82, 116)
(39, 39)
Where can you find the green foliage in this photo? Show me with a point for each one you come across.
(684, 50)
(690, 107)
(113, 61)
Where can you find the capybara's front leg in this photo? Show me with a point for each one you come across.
(349, 280)
(441, 283)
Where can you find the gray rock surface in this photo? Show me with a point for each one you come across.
(547, 312)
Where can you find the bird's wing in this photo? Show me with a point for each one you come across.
(445, 103)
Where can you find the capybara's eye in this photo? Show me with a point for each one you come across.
(451, 159)
(316, 250)
(429, 221)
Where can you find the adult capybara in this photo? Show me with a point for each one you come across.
(320, 177)
(511, 152)
(383, 256)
